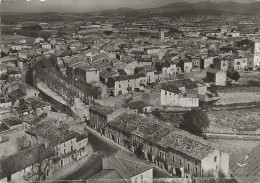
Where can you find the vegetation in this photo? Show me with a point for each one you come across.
(195, 121)
(234, 75)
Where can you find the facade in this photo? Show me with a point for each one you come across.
(121, 85)
(180, 93)
(221, 64)
(256, 62)
(217, 77)
(174, 150)
(239, 64)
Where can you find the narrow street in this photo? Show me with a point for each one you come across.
(94, 164)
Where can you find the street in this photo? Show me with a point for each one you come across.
(94, 164)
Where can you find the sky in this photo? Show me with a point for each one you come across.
(86, 5)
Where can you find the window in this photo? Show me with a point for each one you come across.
(170, 93)
(128, 81)
(173, 158)
(188, 158)
(71, 148)
(216, 167)
(238, 63)
(180, 162)
(64, 151)
(166, 93)
(119, 86)
(215, 158)
(118, 141)
(196, 170)
(196, 162)
(188, 167)
(61, 162)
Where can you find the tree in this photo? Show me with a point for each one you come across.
(195, 121)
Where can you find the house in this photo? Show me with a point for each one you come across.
(139, 107)
(170, 67)
(68, 146)
(182, 93)
(126, 168)
(38, 105)
(46, 45)
(144, 62)
(239, 64)
(186, 65)
(206, 62)
(217, 77)
(121, 85)
(99, 115)
(150, 72)
(256, 62)
(26, 164)
(176, 151)
(220, 64)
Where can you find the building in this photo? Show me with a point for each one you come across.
(186, 65)
(180, 93)
(216, 77)
(161, 34)
(126, 168)
(256, 62)
(221, 64)
(26, 165)
(67, 145)
(99, 115)
(178, 152)
(121, 85)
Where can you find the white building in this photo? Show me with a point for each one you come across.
(256, 62)
(180, 93)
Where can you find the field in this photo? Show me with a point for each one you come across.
(248, 76)
(238, 95)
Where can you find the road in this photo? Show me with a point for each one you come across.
(94, 164)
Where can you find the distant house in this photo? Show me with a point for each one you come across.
(239, 64)
(121, 85)
(139, 107)
(145, 62)
(220, 64)
(186, 65)
(182, 93)
(170, 68)
(150, 72)
(123, 167)
(46, 45)
(217, 77)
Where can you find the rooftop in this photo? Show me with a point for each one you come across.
(21, 160)
(105, 110)
(125, 164)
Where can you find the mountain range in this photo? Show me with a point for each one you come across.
(186, 8)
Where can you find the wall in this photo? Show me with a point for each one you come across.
(147, 177)
(92, 75)
(221, 78)
(208, 164)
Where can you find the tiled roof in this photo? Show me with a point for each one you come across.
(128, 77)
(164, 134)
(137, 105)
(107, 176)
(105, 110)
(53, 134)
(126, 165)
(17, 94)
(12, 121)
(174, 86)
(23, 159)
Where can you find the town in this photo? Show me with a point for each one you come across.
(144, 97)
